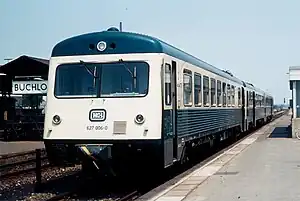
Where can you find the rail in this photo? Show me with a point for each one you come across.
(279, 114)
(12, 155)
(25, 165)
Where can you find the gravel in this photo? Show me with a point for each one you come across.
(38, 196)
(16, 158)
(22, 187)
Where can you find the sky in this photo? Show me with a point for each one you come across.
(256, 40)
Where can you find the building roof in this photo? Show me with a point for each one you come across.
(26, 66)
(294, 73)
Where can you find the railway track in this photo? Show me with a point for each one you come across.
(22, 163)
(65, 196)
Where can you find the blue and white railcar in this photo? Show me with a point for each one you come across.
(138, 97)
(269, 106)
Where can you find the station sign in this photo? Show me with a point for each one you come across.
(29, 87)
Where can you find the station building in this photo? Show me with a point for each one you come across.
(294, 80)
(23, 89)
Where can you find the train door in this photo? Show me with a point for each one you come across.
(247, 109)
(265, 107)
(169, 114)
(243, 109)
(254, 106)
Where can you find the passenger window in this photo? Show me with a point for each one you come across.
(213, 92)
(228, 95)
(232, 96)
(205, 91)
(219, 94)
(239, 97)
(247, 102)
(224, 95)
(197, 90)
(187, 87)
(168, 96)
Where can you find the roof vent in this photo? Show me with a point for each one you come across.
(228, 72)
(113, 29)
(250, 84)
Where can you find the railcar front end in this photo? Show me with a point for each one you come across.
(104, 107)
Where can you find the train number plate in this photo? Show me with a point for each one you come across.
(96, 128)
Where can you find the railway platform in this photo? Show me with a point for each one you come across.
(18, 147)
(263, 166)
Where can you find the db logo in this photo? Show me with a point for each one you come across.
(97, 115)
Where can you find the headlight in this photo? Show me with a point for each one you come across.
(56, 119)
(101, 46)
(139, 119)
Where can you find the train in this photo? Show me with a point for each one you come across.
(120, 98)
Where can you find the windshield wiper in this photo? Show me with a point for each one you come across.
(133, 75)
(94, 73)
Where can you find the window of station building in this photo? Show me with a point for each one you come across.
(219, 93)
(239, 97)
(232, 96)
(187, 87)
(213, 92)
(168, 97)
(197, 90)
(205, 91)
(224, 94)
(228, 95)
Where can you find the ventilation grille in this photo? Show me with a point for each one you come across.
(119, 127)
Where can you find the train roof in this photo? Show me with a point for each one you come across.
(251, 86)
(126, 42)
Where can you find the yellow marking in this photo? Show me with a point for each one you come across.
(84, 149)
(5, 116)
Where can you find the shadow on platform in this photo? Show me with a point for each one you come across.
(281, 132)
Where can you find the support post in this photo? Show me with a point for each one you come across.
(294, 100)
(38, 171)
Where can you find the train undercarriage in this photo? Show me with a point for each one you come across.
(121, 158)
(129, 157)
